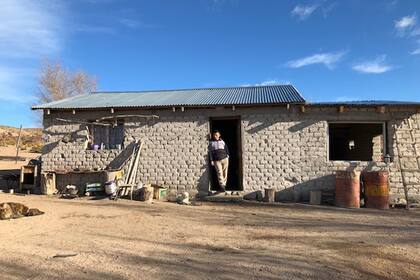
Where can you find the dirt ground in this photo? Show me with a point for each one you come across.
(8, 157)
(135, 240)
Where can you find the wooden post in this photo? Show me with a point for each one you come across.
(269, 195)
(136, 164)
(48, 185)
(315, 197)
(18, 144)
(381, 109)
(302, 108)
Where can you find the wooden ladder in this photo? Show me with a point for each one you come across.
(416, 156)
(130, 180)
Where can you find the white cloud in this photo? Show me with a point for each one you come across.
(415, 52)
(11, 86)
(347, 98)
(405, 23)
(131, 23)
(415, 32)
(327, 59)
(217, 5)
(28, 28)
(94, 29)
(268, 82)
(390, 5)
(376, 66)
(29, 31)
(303, 12)
(327, 10)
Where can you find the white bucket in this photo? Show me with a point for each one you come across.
(110, 188)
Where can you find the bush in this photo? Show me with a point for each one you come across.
(36, 149)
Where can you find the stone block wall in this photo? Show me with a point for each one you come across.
(282, 148)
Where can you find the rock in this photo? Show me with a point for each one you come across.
(398, 202)
(415, 205)
(144, 194)
(183, 198)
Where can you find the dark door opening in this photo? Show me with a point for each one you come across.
(230, 129)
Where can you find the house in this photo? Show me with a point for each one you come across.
(276, 138)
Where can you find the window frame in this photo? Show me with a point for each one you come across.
(384, 138)
(108, 135)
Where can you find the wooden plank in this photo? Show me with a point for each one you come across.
(130, 166)
(136, 164)
(18, 144)
(401, 171)
(127, 116)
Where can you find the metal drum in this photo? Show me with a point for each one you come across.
(376, 189)
(347, 189)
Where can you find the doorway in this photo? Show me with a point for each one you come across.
(230, 129)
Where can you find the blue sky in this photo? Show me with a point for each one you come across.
(330, 50)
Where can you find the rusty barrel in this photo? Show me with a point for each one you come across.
(376, 189)
(347, 189)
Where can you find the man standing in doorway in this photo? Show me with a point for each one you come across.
(219, 157)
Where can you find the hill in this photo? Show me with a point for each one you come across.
(31, 138)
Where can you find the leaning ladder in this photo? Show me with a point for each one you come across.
(416, 156)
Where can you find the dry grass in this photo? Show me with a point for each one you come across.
(31, 138)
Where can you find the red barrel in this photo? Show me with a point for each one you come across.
(347, 189)
(376, 189)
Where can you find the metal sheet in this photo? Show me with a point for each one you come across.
(258, 95)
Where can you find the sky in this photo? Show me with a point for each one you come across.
(329, 50)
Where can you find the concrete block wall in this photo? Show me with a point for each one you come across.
(284, 149)
(175, 150)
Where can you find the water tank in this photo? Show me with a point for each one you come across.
(376, 189)
(347, 189)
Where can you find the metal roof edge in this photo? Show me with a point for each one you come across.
(366, 103)
(185, 89)
(59, 104)
(42, 106)
(301, 96)
(167, 106)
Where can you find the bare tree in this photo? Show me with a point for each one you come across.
(56, 83)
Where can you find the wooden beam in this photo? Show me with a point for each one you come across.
(173, 109)
(18, 144)
(233, 108)
(182, 109)
(81, 122)
(341, 109)
(73, 112)
(127, 116)
(381, 109)
(48, 111)
(288, 106)
(112, 110)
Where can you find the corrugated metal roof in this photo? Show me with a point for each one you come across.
(257, 95)
(366, 103)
